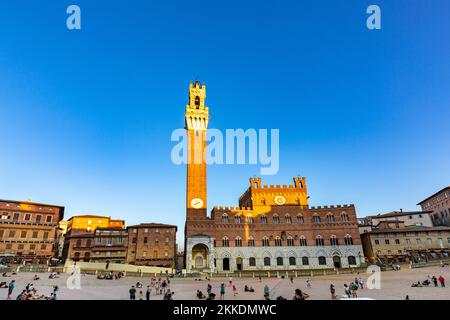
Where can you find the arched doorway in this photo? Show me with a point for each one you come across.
(200, 256)
(337, 261)
(226, 264)
(239, 264)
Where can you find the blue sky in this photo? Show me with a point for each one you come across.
(86, 116)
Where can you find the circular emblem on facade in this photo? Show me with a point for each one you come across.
(197, 203)
(279, 200)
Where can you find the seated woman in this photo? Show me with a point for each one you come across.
(36, 277)
(299, 295)
(3, 285)
(248, 289)
(200, 295)
(211, 296)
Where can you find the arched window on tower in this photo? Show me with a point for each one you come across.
(264, 219)
(300, 219)
(344, 217)
(330, 218)
(334, 241)
(237, 219)
(316, 218)
(305, 261)
(238, 242)
(322, 261)
(287, 218)
(292, 261)
(348, 240)
(279, 261)
(303, 242)
(225, 218)
(225, 242)
(265, 242)
(277, 242)
(276, 219)
(319, 241)
(351, 260)
(290, 241)
(251, 241)
(249, 219)
(197, 102)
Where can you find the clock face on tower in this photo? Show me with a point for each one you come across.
(197, 203)
(279, 200)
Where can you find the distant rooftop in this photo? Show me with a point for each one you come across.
(410, 229)
(446, 188)
(398, 214)
(89, 216)
(32, 203)
(153, 225)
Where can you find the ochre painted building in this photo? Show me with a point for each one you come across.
(28, 231)
(79, 240)
(273, 228)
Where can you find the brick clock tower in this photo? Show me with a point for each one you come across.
(196, 120)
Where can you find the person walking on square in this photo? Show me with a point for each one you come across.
(209, 288)
(222, 291)
(308, 282)
(234, 290)
(132, 293)
(354, 288)
(141, 295)
(10, 289)
(148, 292)
(442, 281)
(266, 292)
(361, 283)
(435, 281)
(333, 292)
(231, 281)
(347, 291)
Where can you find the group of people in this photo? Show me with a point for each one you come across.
(30, 292)
(6, 275)
(211, 295)
(160, 286)
(351, 291)
(111, 276)
(438, 282)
